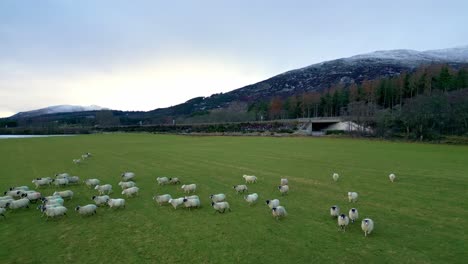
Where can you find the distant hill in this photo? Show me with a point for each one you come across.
(57, 109)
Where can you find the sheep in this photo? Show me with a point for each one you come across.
(65, 194)
(62, 175)
(20, 188)
(220, 197)
(102, 189)
(251, 198)
(14, 193)
(7, 197)
(352, 196)
(192, 197)
(52, 197)
(127, 176)
(131, 191)
(240, 188)
(76, 161)
(54, 211)
(21, 203)
(174, 181)
(89, 209)
(92, 182)
(284, 181)
(161, 199)
(61, 181)
(116, 203)
(42, 182)
(126, 185)
(3, 202)
(221, 207)
(353, 214)
(279, 212)
(162, 180)
(343, 222)
(335, 211)
(189, 203)
(32, 196)
(100, 200)
(335, 176)
(56, 201)
(189, 187)
(250, 178)
(392, 177)
(176, 202)
(272, 203)
(284, 189)
(86, 155)
(73, 179)
(367, 225)
(2, 212)
(41, 207)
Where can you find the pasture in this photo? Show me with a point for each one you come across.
(420, 218)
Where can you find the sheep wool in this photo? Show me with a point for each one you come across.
(284, 181)
(190, 203)
(392, 177)
(251, 198)
(272, 203)
(250, 178)
(284, 189)
(174, 180)
(92, 182)
(352, 196)
(161, 199)
(116, 203)
(343, 221)
(353, 214)
(176, 202)
(220, 197)
(221, 207)
(100, 200)
(65, 194)
(335, 211)
(335, 176)
(131, 191)
(162, 180)
(89, 209)
(188, 188)
(367, 225)
(127, 184)
(279, 212)
(127, 176)
(240, 188)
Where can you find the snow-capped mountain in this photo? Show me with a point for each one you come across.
(58, 109)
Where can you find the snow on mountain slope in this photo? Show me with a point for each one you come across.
(59, 109)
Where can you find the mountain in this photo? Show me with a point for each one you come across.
(57, 109)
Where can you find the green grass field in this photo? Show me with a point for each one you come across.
(421, 218)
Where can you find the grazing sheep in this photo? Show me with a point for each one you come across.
(32, 196)
(62, 175)
(192, 197)
(221, 207)
(14, 193)
(174, 181)
(279, 212)
(2, 212)
(284, 189)
(189, 203)
(335, 211)
(272, 203)
(21, 203)
(189, 188)
(220, 197)
(61, 181)
(89, 209)
(65, 194)
(100, 200)
(102, 189)
(50, 200)
(240, 188)
(352, 196)
(335, 176)
(127, 176)
(176, 202)
(73, 179)
(251, 198)
(92, 182)
(343, 221)
(126, 185)
(161, 199)
(42, 182)
(284, 181)
(86, 155)
(41, 207)
(162, 180)
(20, 188)
(116, 203)
(54, 211)
(131, 191)
(367, 226)
(3, 202)
(76, 161)
(353, 214)
(392, 177)
(250, 178)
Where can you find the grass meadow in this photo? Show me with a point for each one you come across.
(420, 218)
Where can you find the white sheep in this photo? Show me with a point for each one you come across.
(251, 198)
(392, 177)
(42, 182)
(284, 189)
(73, 179)
(272, 203)
(162, 180)
(92, 182)
(161, 199)
(89, 209)
(250, 178)
(343, 221)
(189, 203)
(61, 181)
(100, 200)
(335, 176)
(367, 225)
(7, 197)
(176, 202)
(20, 188)
(127, 176)
(2, 212)
(221, 207)
(126, 185)
(76, 161)
(86, 155)
(53, 200)
(335, 211)
(352, 196)
(62, 175)
(103, 189)
(240, 188)
(353, 214)
(54, 211)
(21, 203)
(13, 193)
(116, 203)
(279, 212)
(3, 202)
(65, 194)
(192, 197)
(174, 180)
(32, 196)
(220, 197)
(131, 191)
(284, 181)
(189, 187)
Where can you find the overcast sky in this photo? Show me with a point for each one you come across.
(142, 55)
